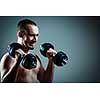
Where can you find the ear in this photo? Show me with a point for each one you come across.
(20, 34)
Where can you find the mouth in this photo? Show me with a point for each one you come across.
(32, 42)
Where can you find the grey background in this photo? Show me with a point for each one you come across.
(78, 37)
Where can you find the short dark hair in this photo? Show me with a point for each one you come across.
(22, 24)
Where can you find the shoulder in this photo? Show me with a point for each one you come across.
(5, 64)
(5, 61)
(37, 57)
(5, 57)
(39, 62)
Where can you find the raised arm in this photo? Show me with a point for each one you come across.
(9, 68)
(46, 75)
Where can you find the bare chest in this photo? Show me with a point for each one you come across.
(27, 76)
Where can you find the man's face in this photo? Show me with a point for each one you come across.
(31, 36)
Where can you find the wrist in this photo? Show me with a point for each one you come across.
(51, 59)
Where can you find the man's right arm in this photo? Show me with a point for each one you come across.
(9, 67)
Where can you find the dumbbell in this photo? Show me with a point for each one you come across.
(60, 57)
(11, 49)
(28, 61)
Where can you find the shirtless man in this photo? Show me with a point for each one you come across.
(27, 32)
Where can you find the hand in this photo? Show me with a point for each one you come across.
(50, 53)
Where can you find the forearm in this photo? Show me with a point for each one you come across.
(49, 72)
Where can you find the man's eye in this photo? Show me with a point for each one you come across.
(37, 35)
(31, 35)
(34, 35)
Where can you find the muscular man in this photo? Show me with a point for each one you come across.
(27, 32)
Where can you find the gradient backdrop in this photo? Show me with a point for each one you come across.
(78, 36)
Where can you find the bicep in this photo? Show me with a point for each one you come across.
(5, 65)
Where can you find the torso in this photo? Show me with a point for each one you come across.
(23, 75)
(26, 75)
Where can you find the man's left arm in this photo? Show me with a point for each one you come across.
(46, 75)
